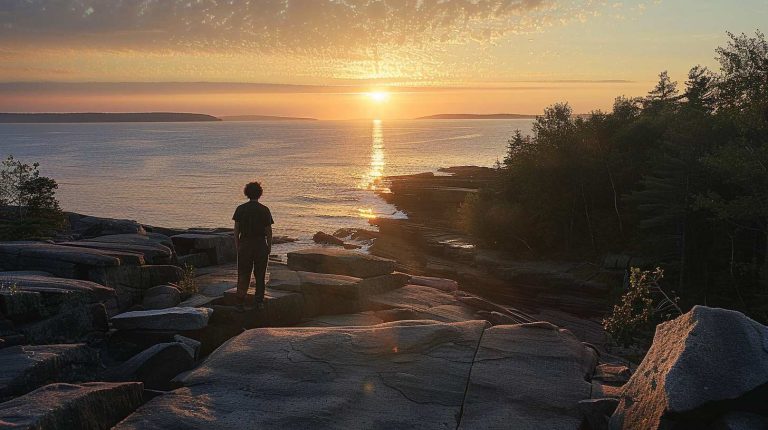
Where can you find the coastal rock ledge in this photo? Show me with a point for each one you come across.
(406, 374)
(343, 341)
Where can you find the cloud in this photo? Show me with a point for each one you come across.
(335, 28)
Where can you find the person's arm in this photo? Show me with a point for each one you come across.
(237, 235)
(268, 232)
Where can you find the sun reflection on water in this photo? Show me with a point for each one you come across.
(372, 179)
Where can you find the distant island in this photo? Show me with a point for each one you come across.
(265, 118)
(104, 117)
(478, 116)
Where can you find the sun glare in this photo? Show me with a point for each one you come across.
(378, 96)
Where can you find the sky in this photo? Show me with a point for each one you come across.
(323, 58)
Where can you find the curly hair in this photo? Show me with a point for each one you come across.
(253, 190)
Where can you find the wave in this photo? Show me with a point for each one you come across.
(320, 199)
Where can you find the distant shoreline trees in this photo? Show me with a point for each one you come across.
(679, 177)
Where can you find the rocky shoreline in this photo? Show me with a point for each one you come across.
(104, 328)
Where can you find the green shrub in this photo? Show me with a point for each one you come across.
(642, 306)
(28, 205)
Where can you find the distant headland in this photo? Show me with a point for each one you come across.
(104, 117)
(478, 116)
(265, 118)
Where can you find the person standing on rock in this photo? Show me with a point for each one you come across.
(253, 242)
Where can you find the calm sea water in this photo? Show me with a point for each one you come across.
(317, 175)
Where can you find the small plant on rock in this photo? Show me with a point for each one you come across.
(9, 287)
(642, 306)
(187, 284)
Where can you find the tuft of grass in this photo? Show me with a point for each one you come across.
(187, 284)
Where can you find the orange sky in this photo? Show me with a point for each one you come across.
(315, 58)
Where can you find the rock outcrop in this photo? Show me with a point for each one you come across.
(123, 270)
(339, 262)
(161, 297)
(26, 367)
(700, 365)
(528, 376)
(409, 374)
(218, 247)
(156, 366)
(87, 406)
(326, 239)
(163, 319)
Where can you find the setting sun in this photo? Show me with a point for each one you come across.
(378, 96)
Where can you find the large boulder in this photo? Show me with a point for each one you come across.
(408, 375)
(180, 319)
(220, 247)
(91, 226)
(26, 367)
(327, 239)
(161, 297)
(701, 358)
(340, 262)
(156, 366)
(528, 376)
(86, 406)
(329, 294)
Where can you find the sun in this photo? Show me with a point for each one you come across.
(378, 96)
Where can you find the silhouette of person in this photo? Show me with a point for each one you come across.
(253, 242)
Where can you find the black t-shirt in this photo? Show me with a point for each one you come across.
(253, 219)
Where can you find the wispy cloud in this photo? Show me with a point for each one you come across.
(201, 88)
(347, 28)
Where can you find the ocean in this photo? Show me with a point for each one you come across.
(317, 175)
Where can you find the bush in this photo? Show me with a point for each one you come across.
(28, 205)
(642, 306)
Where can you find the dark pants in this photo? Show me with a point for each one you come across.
(252, 256)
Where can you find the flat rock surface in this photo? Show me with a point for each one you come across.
(408, 375)
(426, 302)
(152, 252)
(44, 283)
(344, 320)
(39, 252)
(87, 406)
(136, 239)
(528, 376)
(163, 319)
(339, 261)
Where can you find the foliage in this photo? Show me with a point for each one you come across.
(9, 287)
(28, 205)
(642, 306)
(187, 284)
(679, 177)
